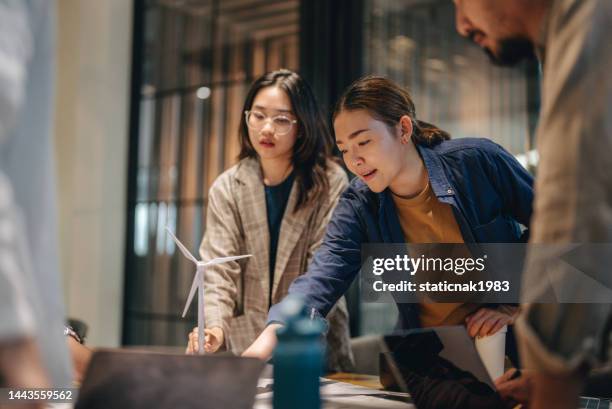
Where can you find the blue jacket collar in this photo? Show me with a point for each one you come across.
(437, 177)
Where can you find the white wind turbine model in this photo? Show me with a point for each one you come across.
(198, 282)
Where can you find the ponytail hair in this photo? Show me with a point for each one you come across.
(388, 102)
(427, 134)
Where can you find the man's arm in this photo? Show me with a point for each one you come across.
(20, 361)
(574, 190)
(16, 41)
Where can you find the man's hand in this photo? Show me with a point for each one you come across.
(487, 321)
(213, 340)
(515, 391)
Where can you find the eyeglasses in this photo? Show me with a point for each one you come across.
(257, 120)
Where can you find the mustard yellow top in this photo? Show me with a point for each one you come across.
(424, 219)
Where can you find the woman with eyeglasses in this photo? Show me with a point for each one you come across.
(274, 204)
(413, 185)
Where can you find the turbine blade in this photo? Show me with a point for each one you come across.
(222, 260)
(183, 249)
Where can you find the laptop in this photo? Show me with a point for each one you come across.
(441, 366)
(129, 379)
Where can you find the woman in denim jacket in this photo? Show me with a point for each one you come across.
(463, 190)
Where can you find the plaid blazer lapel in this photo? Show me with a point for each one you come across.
(252, 206)
(291, 230)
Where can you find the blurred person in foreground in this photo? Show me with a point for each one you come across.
(33, 350)
(573, 201)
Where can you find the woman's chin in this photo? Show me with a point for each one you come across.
(375, 187)
(270, 154)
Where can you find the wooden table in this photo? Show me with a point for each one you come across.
(368, 381)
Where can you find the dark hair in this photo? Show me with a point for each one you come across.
(388, 102)
(314, 142)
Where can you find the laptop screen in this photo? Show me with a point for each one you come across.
(139, 380)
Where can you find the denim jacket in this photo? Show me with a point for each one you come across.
(490, 194)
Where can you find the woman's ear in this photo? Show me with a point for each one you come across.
(405, 128)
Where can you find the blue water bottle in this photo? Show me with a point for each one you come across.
(298, 358)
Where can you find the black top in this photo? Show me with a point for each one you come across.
(276, 202)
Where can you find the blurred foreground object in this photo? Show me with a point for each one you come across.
(31, 310)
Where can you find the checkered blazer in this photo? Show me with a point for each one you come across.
(236, 293)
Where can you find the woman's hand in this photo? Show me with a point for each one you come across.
(264, 345)
(213, 340)
(487, 321)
